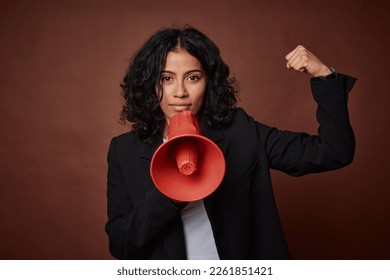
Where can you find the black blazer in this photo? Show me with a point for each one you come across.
(144, 224)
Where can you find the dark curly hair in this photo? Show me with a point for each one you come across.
(144, 73)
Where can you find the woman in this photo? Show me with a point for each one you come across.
(181, 69)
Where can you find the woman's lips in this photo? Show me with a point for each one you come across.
(180, 107)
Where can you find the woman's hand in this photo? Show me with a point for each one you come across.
(303, 60)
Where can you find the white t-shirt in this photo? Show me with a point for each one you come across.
(199, 238)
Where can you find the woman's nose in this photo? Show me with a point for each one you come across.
(181, 91)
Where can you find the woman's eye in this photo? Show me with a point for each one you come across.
(166, 79)
(193, 78)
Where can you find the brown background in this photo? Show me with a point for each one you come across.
(60, 69)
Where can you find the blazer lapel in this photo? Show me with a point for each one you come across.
(174, 238)
(216, 223)
(144, 156)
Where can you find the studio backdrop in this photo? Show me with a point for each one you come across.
(61, 66)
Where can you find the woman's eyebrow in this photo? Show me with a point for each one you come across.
(187, 72)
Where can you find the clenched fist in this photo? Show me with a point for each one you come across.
(303, 60)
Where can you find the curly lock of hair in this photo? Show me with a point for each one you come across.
(142, 79)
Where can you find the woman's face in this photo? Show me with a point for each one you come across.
(183, 83)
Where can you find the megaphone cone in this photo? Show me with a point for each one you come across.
(188, 166)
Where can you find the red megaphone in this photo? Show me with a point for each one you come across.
(188, 166)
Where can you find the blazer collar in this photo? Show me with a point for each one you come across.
(146, 151)
(215, 135)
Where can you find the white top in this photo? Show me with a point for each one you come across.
(198, 235)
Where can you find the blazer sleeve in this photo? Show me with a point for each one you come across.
(135, 230)
(333, 147)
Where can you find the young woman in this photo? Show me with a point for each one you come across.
(181, 69)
